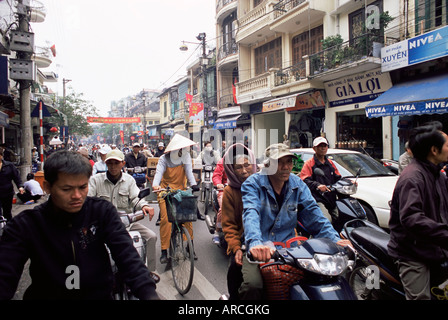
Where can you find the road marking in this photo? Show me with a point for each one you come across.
(168, 291)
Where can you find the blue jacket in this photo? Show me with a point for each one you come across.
(264, 220)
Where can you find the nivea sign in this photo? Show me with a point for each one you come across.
(428, 46)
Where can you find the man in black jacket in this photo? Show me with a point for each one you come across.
(419, 213)
(8, 174)
(65, 240)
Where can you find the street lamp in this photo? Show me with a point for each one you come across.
(203, 62)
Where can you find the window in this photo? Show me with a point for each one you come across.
(268, 56)
(257, 2)
(357, 20)
(430, 15)
(307, 43)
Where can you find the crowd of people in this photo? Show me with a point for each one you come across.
(259, 205)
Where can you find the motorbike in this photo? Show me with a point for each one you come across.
(348, 207)
(375, 275)
(139, 174)
(209, 197)
(121, 290)
(313, 269)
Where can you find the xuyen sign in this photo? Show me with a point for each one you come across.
(428, 46)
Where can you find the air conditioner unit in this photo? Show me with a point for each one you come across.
(21, 41)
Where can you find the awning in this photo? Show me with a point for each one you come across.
(306, 100)
(423, 96)
(226, 122)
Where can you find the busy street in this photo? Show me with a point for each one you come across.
(235, 151)
(209, 282)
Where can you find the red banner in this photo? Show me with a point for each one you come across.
(122, 136)
(113, 120)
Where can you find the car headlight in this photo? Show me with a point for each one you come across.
(328, 265)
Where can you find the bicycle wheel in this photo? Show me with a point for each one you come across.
(206, 200)
(182, 259)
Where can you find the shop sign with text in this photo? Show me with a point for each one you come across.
(358, 88)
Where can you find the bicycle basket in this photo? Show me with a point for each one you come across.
(181, 211)
(277, 279)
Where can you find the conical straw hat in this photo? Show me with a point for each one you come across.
(179, 142)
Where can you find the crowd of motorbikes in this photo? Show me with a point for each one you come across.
(305, 268)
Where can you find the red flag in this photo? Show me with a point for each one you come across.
(234, 91)
(122, 136)
(53, 50)
(189, 97)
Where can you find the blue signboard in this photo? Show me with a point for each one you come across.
(423, 96)
(428, 46)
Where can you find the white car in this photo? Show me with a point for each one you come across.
(375, 183)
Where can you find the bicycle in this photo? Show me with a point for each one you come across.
(180, 208)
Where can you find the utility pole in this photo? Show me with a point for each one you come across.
(201, 37)
(25, 110)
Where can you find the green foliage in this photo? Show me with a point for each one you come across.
(76, 110)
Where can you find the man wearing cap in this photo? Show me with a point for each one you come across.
(121, 190)
(160, 150)
(174, 169)
(100, 166)
(273, 201)
(318, 183)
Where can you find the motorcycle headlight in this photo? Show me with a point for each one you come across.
(328, 265)
(348, 190)
(208, 168)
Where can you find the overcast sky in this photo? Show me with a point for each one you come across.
(110, 49)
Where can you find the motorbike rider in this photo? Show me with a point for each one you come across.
(208, 156)
(100, 166)
(219, 180)
(317, 183)
(121, 190)
(69, 232)
(173, 170)
(160, 150)
(239, 164)
(419, 213)
(273, 200)
(136, 158)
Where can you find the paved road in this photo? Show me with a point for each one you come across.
(209, 281)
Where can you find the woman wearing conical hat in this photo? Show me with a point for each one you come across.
(174, 169)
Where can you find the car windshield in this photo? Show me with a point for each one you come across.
(348, 164)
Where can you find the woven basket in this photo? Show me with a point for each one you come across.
(277, 279)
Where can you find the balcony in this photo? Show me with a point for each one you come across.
(289, 15)
(228, 51)
(254, 89)
(38, 11)
(254, 25)
(354, 56)
(42, 57)
(224, 7)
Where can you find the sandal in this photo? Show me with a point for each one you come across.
(154, 277)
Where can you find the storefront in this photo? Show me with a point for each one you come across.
(411, 104)
(346, 123)
(418, 67)
(295, 119)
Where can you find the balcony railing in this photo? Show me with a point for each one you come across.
(283, 6)
(290, 74)
(221, 3)
(364, 46)
(227, 49)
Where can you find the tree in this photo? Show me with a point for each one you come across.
(76, 111)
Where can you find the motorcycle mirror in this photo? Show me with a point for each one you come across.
(143, 193)
(319, 172)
